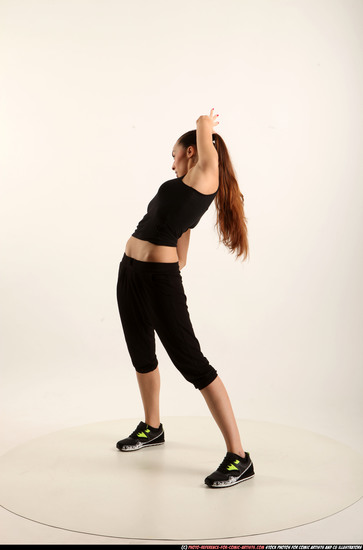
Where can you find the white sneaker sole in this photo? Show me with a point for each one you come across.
(130, 449)
(228, 484)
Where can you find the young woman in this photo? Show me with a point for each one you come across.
(151, 296)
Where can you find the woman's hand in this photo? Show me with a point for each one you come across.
(210, 118)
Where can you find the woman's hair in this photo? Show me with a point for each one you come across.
(231, 221)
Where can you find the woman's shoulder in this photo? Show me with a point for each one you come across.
(206, 182)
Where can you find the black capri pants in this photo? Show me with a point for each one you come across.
(150, 296)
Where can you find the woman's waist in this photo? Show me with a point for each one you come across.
(145, 251)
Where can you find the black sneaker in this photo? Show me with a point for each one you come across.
(232, 470)
(143, 436)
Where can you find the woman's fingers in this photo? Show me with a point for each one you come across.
(209, 117)
(213, 116)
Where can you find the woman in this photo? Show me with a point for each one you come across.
(151, 296)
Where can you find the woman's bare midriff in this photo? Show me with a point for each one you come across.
(145, 251)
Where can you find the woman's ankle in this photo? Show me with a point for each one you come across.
(240, 452)
(154, 423)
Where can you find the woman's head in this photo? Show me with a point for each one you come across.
(231, 221)
(185, 157)
(185, 153)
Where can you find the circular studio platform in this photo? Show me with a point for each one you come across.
(76, 479)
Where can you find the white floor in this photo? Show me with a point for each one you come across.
(297, 497)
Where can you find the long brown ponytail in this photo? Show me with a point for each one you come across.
(231, 222)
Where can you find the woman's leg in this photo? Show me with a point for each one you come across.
(149, 384)
(220, 406)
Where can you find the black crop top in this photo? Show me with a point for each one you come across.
(175, 208)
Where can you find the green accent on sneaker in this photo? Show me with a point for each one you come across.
(236, 462)
(147, 431)
(231, 467)
(141, 434)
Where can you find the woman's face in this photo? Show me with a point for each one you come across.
(183, 159)
(180, 160)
